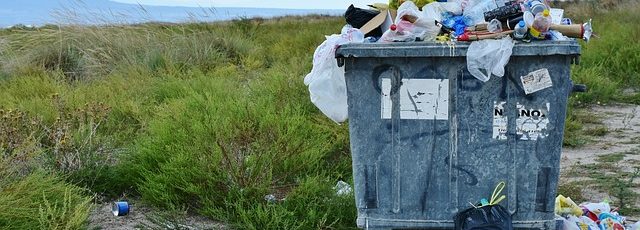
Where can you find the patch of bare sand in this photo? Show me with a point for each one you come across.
(144, 217)
(623, 123)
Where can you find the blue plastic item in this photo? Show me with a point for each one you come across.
(120, 208)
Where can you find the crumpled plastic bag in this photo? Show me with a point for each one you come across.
(327, 87)
(402, 33)
(597, 208)
(432, 13)
(488, 57)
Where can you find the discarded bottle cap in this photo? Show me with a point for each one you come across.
(120, 208)
(545, 13)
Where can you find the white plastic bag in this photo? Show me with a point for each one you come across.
(402, 33)
(431, 13)
(326, 83)
(489, 55)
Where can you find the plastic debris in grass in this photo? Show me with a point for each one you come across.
(342, 188)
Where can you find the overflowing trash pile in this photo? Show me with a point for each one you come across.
(465, 20)
(492, 27)
(590, 216)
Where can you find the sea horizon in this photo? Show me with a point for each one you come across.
(102, 12)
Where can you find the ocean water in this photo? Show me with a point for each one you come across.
(41, 12)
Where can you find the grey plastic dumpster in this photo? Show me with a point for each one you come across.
(427, 138)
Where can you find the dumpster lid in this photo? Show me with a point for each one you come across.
(453, 49)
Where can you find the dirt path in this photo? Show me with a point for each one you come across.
(143, 217)
(603, 169)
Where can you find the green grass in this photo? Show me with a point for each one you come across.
(208, 118)
(41, 201)
(610, 63)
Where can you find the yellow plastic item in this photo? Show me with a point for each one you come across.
(564, 206)
(496, 197)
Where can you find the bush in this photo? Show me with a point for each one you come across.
(41, 201)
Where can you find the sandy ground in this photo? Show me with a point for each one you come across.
(623, 123)
(142, 217)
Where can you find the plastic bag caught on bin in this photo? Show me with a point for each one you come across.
(407, 27)
(404, 29)
(489, 55)
(327, 86)
(432, 13)
(400, 32)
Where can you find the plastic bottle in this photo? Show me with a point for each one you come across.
(536, 7)
(541, 24)
(520, 30)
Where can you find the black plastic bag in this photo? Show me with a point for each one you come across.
(489, 217)
(357, 18)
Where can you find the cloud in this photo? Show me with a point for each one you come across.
(286, 4)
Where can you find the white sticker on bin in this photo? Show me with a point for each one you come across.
(536, 81)
(532, 123)
(420, 99)
(500, 121)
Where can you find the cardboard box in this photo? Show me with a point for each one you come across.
(383, 20)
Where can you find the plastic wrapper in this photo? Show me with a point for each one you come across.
(489, 56)
(566, 206)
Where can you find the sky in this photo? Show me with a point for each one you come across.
(284, 4)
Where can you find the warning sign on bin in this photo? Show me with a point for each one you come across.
(421, 99)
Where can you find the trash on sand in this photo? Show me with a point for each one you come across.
(120, 208)
(591, 216)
